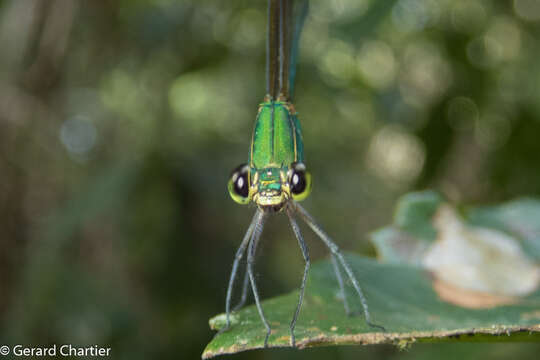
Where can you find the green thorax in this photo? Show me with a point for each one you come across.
(277, 137)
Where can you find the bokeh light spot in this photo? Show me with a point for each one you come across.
(425, 75)
(528, 9)
(78, 135)
(250, 28)
(468, 16)
(338, 65)
(205, 103)
(189, 96)
(396, 155)
(506, 34)
(339, 10)
(377, 64)
(484, 52)
(414, 15)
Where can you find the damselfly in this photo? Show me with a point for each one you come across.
(275, 178)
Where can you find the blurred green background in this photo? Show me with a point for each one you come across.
(120, 122)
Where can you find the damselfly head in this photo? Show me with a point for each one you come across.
(271, 187)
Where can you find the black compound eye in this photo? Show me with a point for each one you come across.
(239, 184)
(299, 181)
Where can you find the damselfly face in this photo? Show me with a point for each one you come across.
(271, 187)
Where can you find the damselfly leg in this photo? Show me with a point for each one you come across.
(257, 231)
(238, 257)
(336, 252)
(305, 253)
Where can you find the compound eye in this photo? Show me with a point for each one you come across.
(299, 181)
(238, 184)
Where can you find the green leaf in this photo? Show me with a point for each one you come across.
(414, 212)
(413, 303)
(408, 238)
(401, 298)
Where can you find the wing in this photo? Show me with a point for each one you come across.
(285, 21)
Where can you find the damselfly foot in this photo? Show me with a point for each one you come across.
(380, 327)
